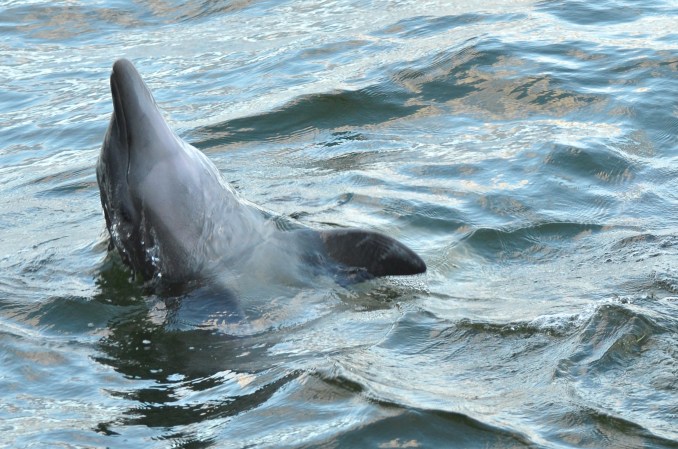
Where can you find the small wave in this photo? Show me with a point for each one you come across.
(542, 240)
(600, 165)
(446, 427)
(643, 246)
(239, 394)
(583, 426)
(588, 13)
(61, 22)
(624, 354)
(557, 325)
(422, 26)
(306, 114)
(76, 22)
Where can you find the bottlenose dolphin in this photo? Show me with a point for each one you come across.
(172, 217)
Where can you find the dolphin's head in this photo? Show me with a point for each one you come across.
(149, 180)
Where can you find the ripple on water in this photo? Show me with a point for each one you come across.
(624, 354)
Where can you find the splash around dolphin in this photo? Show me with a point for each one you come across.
(174, 219)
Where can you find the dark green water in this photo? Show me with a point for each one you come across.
(527, 150)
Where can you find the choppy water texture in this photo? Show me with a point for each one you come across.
(527, 150)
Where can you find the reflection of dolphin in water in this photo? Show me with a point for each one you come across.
(172, 216)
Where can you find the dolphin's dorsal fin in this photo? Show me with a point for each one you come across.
(377, 254)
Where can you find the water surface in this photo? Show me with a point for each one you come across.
(527, 150)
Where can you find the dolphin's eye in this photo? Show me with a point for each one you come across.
(127, 213)
(124, 214)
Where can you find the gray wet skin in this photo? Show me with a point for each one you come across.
(172, 217)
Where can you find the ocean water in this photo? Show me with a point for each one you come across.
(527, 150)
